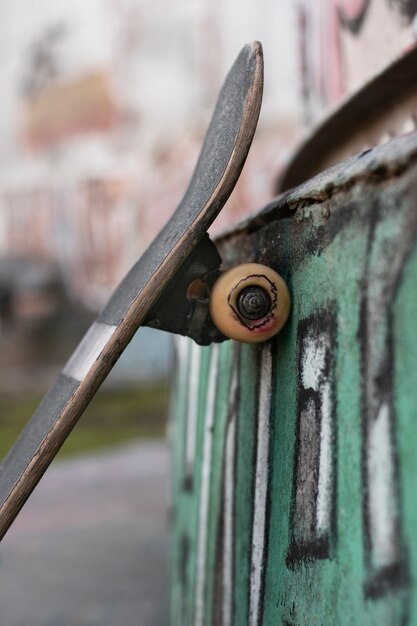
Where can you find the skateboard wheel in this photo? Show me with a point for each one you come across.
(250, 303)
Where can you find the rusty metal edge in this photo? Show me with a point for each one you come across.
(371, 167)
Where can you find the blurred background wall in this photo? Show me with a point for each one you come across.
(104, 107)
(343, 43)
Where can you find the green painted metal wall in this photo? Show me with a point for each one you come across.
(295, 462)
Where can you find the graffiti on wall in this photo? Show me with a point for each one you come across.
(343, 43)
(314, 489)
(42, 63)
(385, 551)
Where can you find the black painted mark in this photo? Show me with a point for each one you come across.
(407, 8)
(185, 550)
(314, 491)
(43, 62)
(354, 23)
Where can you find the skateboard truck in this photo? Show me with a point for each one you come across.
(183, 308)
(249, 303)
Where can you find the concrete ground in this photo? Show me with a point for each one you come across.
(90, 547)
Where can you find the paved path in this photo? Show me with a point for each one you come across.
(90, 547)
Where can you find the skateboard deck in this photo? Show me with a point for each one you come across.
(222, 157)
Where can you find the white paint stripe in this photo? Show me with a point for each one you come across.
(182, 362)
(88, 350)
(181, 345)
(179, 407)
(192, 412)
(381, 490)
(313, 361)
(205, 487)
(261, 486)
(228, 504)
(325, 480)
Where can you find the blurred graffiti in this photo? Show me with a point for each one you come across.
(343, 43)
(352, 14)
(59, 111)
(42, 63)
(104, 108)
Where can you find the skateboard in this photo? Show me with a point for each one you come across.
(166, 288)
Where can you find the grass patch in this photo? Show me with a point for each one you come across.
(113, 418)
